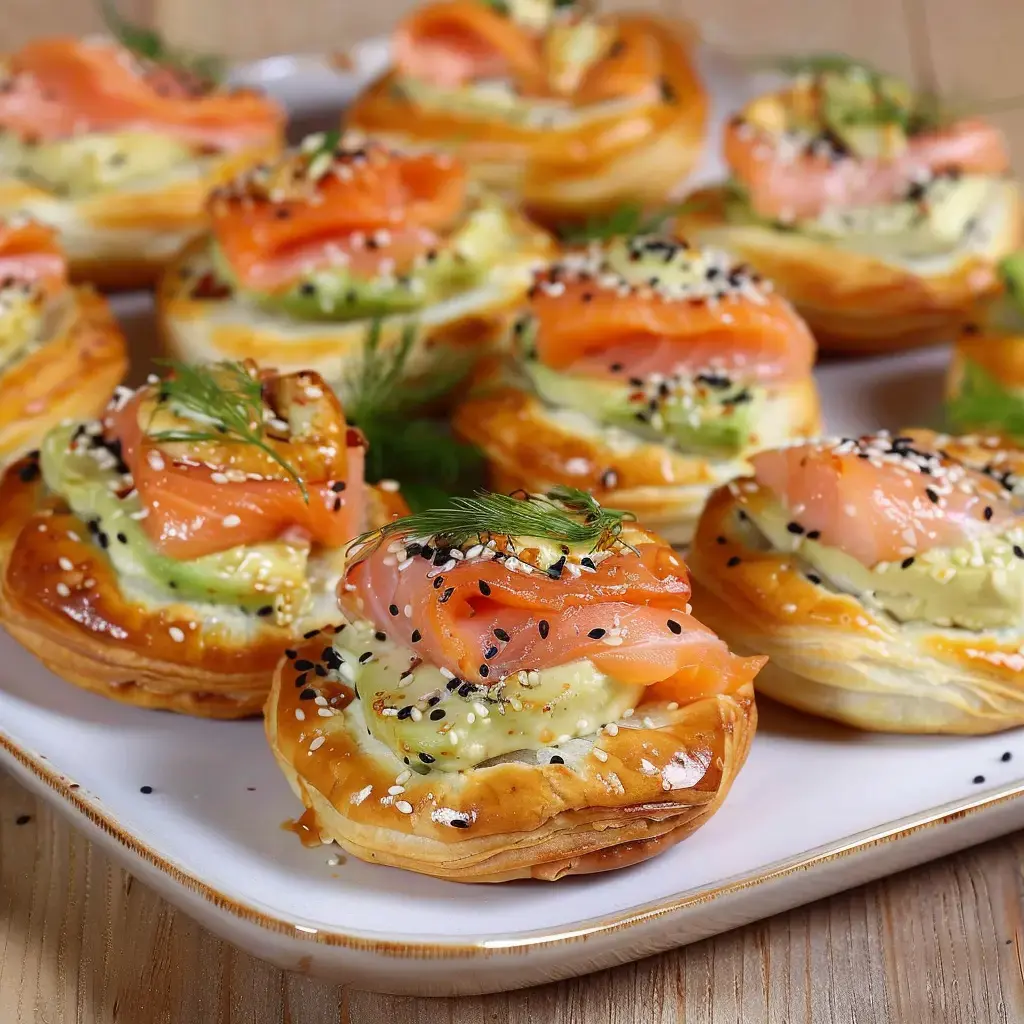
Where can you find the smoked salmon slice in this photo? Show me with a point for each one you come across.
(455, 42)
(61, 87)
(336, 201)
(213, 491)
(884, 499)
(791, 175)
(29, 253)
(482, 619)
(593, 321)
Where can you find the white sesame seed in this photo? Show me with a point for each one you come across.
(388, 485)
(396, 790)
(404, 806)
(65, 563)
(325, 712)
(300, 714)
(155, 460)
(176, 635)
(612, 729)
(403, 777)
(63, 589)
(600, 754)
(415, 714)
(317, 743)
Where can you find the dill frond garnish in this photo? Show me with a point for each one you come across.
(151, 46)
(226, 398)
(404, 445)
(564, 515)
(628, 220)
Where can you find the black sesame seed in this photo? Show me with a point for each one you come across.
(907, 562)
(146, 790)
(447, 594)
(501, 634)
(438, 582)
(393, 609)
(734, 561)
(267, 609)
(1006, 756)
(814, 578)
(437, 714)
(484, 671)
(312, 633)
(302, 665)
(300, 680)
(307, 288)
(337, 504)
(491, 652)
(1018, 551)
(427, 551)
(720, 540)
(813, 534)
(365, 657)
(674, 626)
(103, 539)
(321, 671)
(932, 496)
(404, 713)
(988, 512)
(380, 635)
(596, 633)
(416, 637)
(794, 528)
(23, 819)
(289, 653)
(29, 472)
(978, 779)
(452, 684)
(466, 689)
(307, 694)
(543, 628)
(557, 759)
(425, 757)
(484, 589)
(555, 569)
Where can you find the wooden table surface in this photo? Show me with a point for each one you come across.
(82, 941)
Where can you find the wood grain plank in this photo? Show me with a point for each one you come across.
(82, 942)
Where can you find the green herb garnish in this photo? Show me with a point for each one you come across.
(150, 45)
(1011, 270)
(628, 220)
(416, 450)
(226, 398)
(564, 515)
(984, 402)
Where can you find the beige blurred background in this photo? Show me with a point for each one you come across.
(968, 50)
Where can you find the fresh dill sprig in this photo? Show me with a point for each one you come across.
(626, 221)
(228, 398)
(565, 515)
(150, 45)
(414, 449)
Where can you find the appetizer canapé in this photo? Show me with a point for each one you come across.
(306, 255)
(517, 689)
(61, 352)
(985, 385)
(646, 373)
(165, 554)
(118, 153)
(883, 576)
(880, 217)
(569, 112)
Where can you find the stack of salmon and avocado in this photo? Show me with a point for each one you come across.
(853, 157)
(220, 486)
(343, 232)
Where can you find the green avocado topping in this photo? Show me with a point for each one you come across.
(982, 403)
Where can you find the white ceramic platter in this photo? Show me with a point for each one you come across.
(817, 808)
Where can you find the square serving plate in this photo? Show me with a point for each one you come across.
(817, 808)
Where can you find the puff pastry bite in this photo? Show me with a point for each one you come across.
(883, 576)
(985, 383)
(341, 237)
(61, 351)
(881, 219)
(570, 113)
(118, 153)
(646, 373)
(165, 554)
(516, 689)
